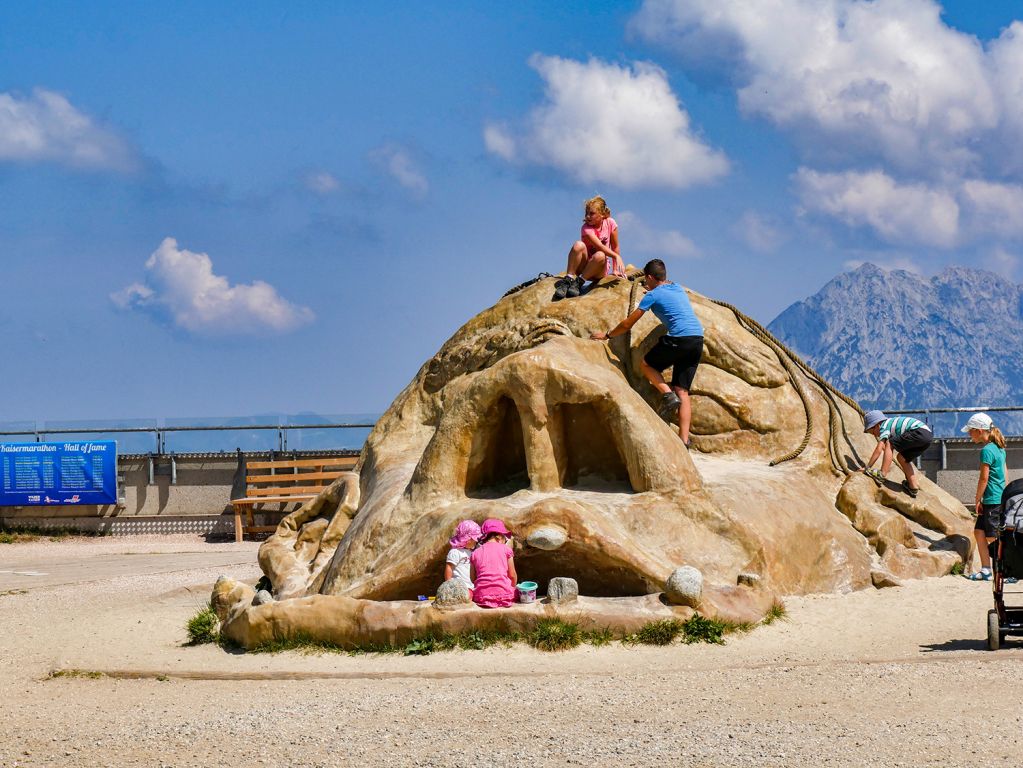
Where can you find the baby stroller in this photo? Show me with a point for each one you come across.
(1007, 561)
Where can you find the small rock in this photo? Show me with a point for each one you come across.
(882, 579)
(263, 597)
(548, 538)
(749, 579)
(562, 590)
(452, 592)
(685, 586)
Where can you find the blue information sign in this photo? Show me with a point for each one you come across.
(58, 473)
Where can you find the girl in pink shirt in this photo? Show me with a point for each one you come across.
(595, 254)
(493, 567)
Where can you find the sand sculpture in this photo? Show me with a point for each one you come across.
(520, 416)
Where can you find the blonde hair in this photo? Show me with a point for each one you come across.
(995, 436)
(599, 204)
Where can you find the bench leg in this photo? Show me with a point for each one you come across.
(237, 525)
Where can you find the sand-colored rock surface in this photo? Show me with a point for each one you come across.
(521, 416)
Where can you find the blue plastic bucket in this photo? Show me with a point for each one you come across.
(527, 591)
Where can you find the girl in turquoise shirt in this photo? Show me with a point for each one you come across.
(990, 485)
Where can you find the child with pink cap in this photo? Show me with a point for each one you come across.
(467, 534)
(493, 567)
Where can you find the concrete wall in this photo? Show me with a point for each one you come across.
(190, 495)
(960, 471)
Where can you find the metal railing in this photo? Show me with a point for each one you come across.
(929, 414)
(160, 433)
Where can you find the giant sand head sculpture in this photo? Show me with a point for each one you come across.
(521, 416)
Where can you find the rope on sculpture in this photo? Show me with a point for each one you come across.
(794, 365)
(526, 284)
(544, 330)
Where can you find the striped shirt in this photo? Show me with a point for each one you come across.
(899, 426)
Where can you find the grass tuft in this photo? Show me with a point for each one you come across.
(203, 627)
(699, 629)
(958, 569)
(554, 635)
(663, 632)
(76, 673)
(777, 612)
(599, 637)
(21, 535)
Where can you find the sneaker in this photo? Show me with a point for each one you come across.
(911, 491)
(668, 409)
(574, 287)
(980, 576)
(561, 288)
(876, 476)
(1010, 579)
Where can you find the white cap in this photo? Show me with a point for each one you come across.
(978, 421)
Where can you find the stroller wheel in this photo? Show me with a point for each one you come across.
(994, 636)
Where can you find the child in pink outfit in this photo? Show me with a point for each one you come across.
(493, 567)
(595, 254)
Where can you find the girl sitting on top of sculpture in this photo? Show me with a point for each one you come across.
(493, 567)
(465, 540)
(595, 254)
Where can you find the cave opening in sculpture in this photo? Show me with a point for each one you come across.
(585, 449)
(597, 574)
(497, 459)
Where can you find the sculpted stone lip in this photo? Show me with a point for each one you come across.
(520, 416)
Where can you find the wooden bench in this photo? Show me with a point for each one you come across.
(284, 482)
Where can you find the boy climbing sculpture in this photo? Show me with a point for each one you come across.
(680, 348)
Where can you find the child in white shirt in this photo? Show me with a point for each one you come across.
(467, 535)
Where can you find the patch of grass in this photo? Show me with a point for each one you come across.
(663, 632)
(777, 612)
(162, 678)
(21, 534)
(958, 569)
(421, 647)
(554, 635)
(76, 673)
(203, 627)
(700, 629)
(599, 637)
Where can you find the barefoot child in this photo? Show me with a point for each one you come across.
(989, 487)
(467, 534)
(493, 567)
(595, 254)
(905, 436)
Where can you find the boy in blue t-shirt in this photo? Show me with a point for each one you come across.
(680, 348)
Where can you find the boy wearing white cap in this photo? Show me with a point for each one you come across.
(989, 487)
(904, 436)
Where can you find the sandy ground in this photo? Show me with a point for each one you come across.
(897, 677)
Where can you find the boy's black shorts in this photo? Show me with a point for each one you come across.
(911, 444)
(681, 353)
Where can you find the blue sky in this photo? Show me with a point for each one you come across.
(230, 209)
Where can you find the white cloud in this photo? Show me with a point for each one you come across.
(884, 79)
(759, 233)
(664, 243)
(46, 127)
(603, 123)
(994, 207)
(321, 182)
(909, 213)
(402, 168)
(182, 286)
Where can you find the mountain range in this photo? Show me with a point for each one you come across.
(899, 340)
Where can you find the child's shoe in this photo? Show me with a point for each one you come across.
(911, 491)
(561, 287)
(983, 574)
(668, 408)
(574, 287)
(876, 476)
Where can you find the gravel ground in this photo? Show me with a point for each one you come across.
(897, 677)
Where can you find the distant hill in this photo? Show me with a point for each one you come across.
(898, 340)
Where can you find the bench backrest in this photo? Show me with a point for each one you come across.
(295, 477)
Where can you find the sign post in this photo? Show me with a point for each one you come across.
(51, 474)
